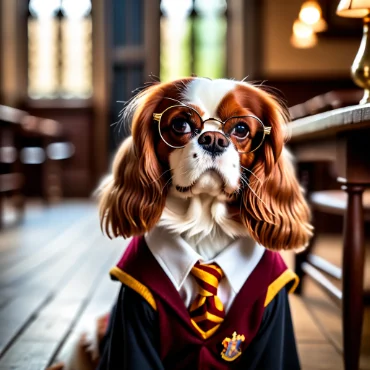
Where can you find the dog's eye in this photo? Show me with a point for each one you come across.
(181, 126)
(241, 131)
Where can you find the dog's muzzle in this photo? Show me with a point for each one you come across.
(213, 142)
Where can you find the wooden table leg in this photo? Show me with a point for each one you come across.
(353, 275)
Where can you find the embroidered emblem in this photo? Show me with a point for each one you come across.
(232, 349)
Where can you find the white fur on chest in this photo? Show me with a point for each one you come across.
(203, 222)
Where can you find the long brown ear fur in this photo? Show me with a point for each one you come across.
(274, 208)
(275, 211)
(132, 202)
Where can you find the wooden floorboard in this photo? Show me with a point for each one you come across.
(32, 295)
(57, 317)
(319, 356)
(41, 224)
(30, 284)
(29, 358)
(101, 302)
(50, 252)
(16, 315)
(306, 329)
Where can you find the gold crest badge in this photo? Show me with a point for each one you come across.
(232, 345)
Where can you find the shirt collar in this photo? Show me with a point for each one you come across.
(238, 261)
(173, 253)
(177, 257)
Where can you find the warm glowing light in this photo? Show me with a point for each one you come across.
(310, 12)
(303, 35)
(304, 42)
(302, 30)
(320, 25)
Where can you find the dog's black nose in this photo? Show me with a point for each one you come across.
(213, 142)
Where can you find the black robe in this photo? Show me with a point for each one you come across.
(132, 339)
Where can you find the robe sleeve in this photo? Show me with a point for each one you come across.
(274, 347)
(132, 339)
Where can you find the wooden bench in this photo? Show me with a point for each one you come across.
(11, 169)
(44, 146)
(32, 150)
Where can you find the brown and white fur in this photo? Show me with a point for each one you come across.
(208, 200)
(228, 195)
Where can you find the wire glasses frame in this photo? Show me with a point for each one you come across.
(158, 117)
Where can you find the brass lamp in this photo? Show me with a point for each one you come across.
(360, 69)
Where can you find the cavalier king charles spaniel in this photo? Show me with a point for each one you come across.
(206, 161)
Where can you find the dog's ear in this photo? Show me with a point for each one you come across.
(274, 208)
(132, 201)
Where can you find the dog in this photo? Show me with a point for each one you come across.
(208, 192)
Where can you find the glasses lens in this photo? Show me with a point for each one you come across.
(246, 133)
(178, 125)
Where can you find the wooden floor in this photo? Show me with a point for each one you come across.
(54, 282)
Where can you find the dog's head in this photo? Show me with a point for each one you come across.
(218, 138)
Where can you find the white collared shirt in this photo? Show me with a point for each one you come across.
(177, 257)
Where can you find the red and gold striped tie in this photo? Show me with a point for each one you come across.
(207, 311)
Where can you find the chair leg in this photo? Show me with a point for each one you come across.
(19, 204)
(2, 196)
(353, 274)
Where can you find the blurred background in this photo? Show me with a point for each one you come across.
(66, 67)
(75, 61)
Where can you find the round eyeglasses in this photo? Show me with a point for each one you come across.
(178, 124)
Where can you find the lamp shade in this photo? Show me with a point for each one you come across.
(353, 8)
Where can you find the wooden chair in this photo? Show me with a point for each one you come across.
(32, 150)
(332, 202)
(339, 137)
(11, 169)
(320, 270)
(44, 147)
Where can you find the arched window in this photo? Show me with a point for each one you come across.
(193, 38)
(59, 49)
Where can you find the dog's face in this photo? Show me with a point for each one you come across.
(206, 133)
(220, 138)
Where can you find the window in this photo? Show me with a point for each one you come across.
(193, 38)
(59, 49)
